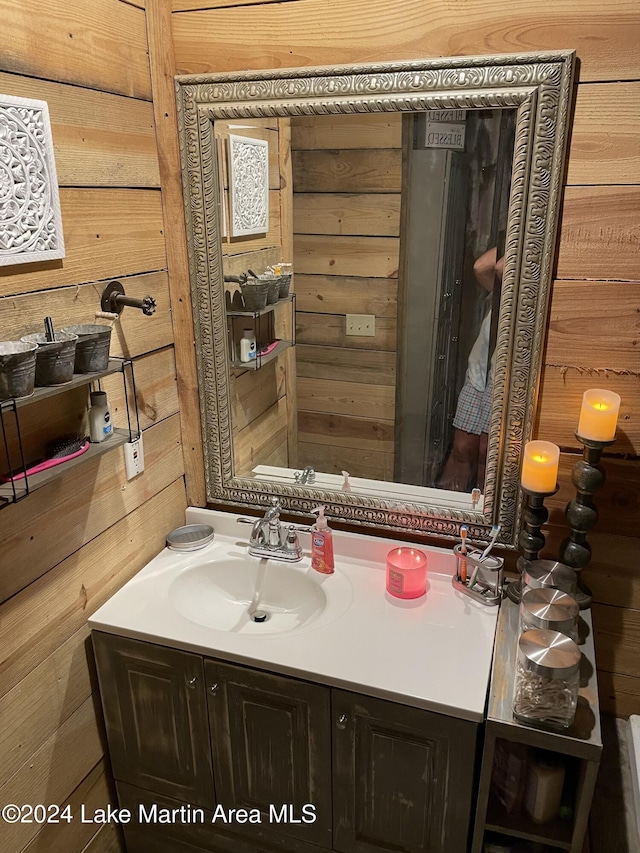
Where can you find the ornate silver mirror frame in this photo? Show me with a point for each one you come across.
(539, 87)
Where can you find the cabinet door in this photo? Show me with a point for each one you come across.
(272, 750)
(156, 717)
(403, 777)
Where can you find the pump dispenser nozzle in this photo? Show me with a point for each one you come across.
(321, 523)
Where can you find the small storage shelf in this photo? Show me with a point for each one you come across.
(261, 360)
(579, 748)
(263, 324)
(116, 365)
(555, 833)
(15, 490)
(232, 312)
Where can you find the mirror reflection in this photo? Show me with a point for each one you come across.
(395, 228)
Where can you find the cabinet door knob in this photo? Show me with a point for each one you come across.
(342, 722)
(214, 688)
(192, 681)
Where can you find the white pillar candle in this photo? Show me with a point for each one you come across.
(540, 466)
(599, 415)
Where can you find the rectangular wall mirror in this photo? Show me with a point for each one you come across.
(417, 203)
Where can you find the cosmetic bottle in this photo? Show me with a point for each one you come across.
(321, 544)
(248, 345)
(100, 425)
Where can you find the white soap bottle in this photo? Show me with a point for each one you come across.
(100, 424)
(248, 345)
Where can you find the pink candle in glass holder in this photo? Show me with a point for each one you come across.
(406, 572)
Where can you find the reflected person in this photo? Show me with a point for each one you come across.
(465, 465)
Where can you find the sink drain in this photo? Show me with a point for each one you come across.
(259, 616)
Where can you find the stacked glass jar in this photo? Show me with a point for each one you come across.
(547, 679)
(547, 674)
(549, 610)
(541, 574)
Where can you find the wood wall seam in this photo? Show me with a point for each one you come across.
(301, 34)
(101, 45)
(82, 582)
(158, 22)
(93, 792)
(85, 495)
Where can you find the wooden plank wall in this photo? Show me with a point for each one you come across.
(69, 546)
(262, 401)
(593, 326)
(347, 180)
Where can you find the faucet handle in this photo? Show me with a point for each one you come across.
(292, 543)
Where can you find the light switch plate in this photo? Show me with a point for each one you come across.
(361, 324)
(134, 458)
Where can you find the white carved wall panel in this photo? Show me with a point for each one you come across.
(249, 185)
(30, 221)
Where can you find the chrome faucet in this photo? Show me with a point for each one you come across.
(308, 476)
(274, 543)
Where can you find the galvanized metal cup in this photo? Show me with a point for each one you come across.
(285, 284)
(92, 348)
(254, 295)
(17, 369)
(54, 359)
(273, 287)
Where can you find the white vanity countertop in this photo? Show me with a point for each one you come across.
(433, 653)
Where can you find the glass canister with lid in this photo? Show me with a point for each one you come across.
(538, 574)
(550, 610)
(547, 679)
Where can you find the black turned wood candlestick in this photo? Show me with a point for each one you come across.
(531, 538)
(587, 476)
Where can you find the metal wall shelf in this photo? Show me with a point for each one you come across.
(79, 379)
(265, 337)
(15, 490)
(232, 312)
(261, 360)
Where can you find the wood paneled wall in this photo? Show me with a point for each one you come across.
(347, 181)
(70, 545)
(263, 401)
(593, 324)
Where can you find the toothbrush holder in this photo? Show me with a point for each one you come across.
(480, 579)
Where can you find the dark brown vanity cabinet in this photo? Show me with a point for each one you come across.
(155, 712)
(320, 769)
(402, 777)
(271, 745)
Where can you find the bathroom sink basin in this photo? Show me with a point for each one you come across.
(249, 596)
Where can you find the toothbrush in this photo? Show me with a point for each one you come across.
(495, 530)
(463, 552)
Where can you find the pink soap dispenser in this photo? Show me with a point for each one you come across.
(322, 544)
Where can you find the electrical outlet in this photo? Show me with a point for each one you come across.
(134, 458)
(361, 324)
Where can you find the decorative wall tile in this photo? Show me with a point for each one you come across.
(249, 185)
(30, 221)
